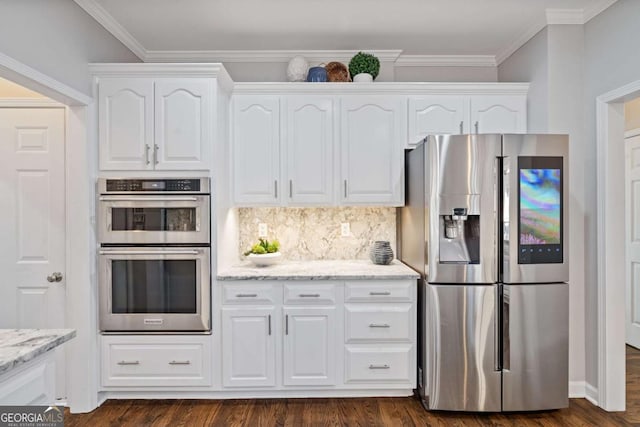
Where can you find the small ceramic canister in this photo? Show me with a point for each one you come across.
(381, 252)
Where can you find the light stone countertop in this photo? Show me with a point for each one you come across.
(319, 270)
(18, 346)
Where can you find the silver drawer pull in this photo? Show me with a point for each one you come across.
(379, 325)
(180, 362)
(124, 362)
(309, 295)
(380, 293)
(246, 295)
(379, 366)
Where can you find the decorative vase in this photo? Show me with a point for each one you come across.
(297, 69)
(381, 252)
(363, 78)
(317, 74)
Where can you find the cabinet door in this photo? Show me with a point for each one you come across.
(309, 150)
(436, 115)
(125, 122)
(310, 346)
(255, 150)
(183, 119)
(373, 132)
(499, 114)
(248, 350)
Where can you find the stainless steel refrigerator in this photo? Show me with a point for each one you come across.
(486, 224)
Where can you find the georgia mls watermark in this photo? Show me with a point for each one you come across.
(31, 416)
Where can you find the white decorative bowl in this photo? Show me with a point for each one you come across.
(262, 260)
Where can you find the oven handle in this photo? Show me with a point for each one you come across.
(168, 252)
(147, 199)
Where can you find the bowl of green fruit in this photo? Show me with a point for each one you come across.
(264, 253)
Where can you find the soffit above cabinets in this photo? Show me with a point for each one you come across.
(427, 32)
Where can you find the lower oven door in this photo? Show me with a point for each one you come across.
(149, 289)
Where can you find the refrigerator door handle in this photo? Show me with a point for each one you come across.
(506, 341)
(497, 342)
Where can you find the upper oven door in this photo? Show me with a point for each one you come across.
(154, 219)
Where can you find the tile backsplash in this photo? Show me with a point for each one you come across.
(314, 233)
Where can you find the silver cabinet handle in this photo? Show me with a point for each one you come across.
(54, 277)
(308, 295)
(146, 152)
(269, 324)
(476, 126)
(125, 362)
(384, 293)
(275, 188)
(286, 324)
(290, 188)
(461, 127)
(246, 295)
(155, 154)
(345, 188)
(379, 325)
(180, 362)
(379, 367)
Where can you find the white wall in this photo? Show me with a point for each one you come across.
(611, 61)
(277, 72)
(530, 64)
(57, 38)
(552, 62)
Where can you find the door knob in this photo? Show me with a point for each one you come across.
(54, 277)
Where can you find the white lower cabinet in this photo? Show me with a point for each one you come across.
(248, 347)
(156, 361)
(309, 346)
(301, 336)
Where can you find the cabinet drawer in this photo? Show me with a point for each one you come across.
(380, 291)
(310, 293)
(156, 364)
(249, 293)
(380, 364)
(378, 323)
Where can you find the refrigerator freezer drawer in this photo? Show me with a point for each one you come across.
(536, 347)
(461, 348)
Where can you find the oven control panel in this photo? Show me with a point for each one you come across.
(187, 185)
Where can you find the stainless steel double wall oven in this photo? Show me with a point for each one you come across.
(155, 255)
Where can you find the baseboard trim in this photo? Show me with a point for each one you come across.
(591, 394)
(577, 389)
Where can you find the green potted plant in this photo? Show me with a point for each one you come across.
(264, 252)
(364, 67)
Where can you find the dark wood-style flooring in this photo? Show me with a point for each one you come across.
(348, 412)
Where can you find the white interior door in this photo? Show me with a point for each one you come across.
(632, 210)
(32, 221)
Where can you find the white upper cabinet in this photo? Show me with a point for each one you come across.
(309, 151)
(373, 132)
(256, 150)
(182, 123)
(125, 108)
(437, 115)
(498, 114)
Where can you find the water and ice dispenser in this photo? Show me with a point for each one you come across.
(459, 237)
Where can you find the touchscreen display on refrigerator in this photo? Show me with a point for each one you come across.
(539, 210)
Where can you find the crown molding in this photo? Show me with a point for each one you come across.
(30, 103)
(564, 16)
(596, 9)
(382, 88)
(264, 55)
(520, 41)
(110, 24)
(446, 61)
